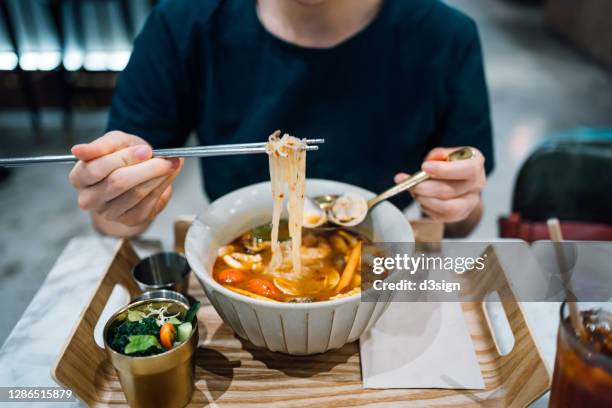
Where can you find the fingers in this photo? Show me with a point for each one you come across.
(440, 153)
(455, 170)
(454, 210)
(104, 155)
(141, 203)
(148, 208)
(453, 190)
(123, 179)
(445, 190)
(88, 173)
(163, 200)
(118, 179)
(116, 207)
(399, 177)
(109, 143)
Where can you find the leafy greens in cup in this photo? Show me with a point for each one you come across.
(151, 331)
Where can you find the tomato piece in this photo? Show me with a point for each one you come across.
(263, 287)
(167, 334)
(230, 276)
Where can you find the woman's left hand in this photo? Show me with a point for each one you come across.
(453, 192)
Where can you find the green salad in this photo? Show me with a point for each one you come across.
(151, 331)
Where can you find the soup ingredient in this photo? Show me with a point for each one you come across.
(260, 237)
(238, 260)
(248, 261)
(351, 266)
(184, 331)
(226, 250)
(288, 287)
(230, 276)
(167, 334)
(263, 287)
(141, 343)
(314, 215)
(349, 209)
(332, 279)
(287, 157)
(351, 239)
(254, 245)
(315, 253)
(302, 287)
(264, 232)
(234, 263)
(339, 244)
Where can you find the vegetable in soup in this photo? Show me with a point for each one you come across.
(329, 261)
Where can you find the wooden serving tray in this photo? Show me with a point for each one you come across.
(232, 372)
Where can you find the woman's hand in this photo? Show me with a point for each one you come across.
(121, 184)
(452, 195)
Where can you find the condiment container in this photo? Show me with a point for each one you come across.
(161, 294)
(164, 270)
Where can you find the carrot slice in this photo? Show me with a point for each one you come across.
(248, 294)
(350, 268)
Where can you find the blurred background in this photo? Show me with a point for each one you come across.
(548, 63)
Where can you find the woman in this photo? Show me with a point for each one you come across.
(388, 84)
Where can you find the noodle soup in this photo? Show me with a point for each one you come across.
(329, 260)
(278, 326)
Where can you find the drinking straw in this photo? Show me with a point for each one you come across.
(556, 235)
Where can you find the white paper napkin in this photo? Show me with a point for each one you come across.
(420, 345)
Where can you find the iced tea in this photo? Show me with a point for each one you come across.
(583, 366)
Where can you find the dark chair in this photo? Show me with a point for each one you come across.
(568, 177)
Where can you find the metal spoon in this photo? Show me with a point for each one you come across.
(327, 202)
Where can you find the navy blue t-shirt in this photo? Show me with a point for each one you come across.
(411, 80)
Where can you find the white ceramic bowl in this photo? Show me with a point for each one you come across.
(294, 328)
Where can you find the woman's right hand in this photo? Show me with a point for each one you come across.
(120, 183)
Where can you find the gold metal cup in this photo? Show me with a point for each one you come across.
(164, 380)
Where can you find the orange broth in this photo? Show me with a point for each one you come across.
(327, 270)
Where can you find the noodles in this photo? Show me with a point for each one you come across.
(287, 155)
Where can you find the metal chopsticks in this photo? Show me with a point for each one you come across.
(197, 151)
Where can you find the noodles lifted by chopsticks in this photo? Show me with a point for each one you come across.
(287, 156)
